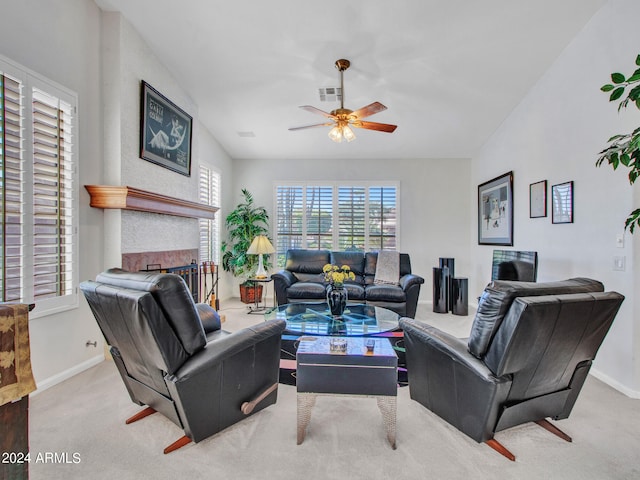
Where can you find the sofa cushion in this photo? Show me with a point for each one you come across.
(309, 277)
(354, 260)
(387, 293)
(354, 291)
(306, 290)
(498, 297)
(371, 261)
(306, 261)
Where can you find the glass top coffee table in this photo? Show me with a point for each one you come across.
(315, 319)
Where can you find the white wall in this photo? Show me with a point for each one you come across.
(50, 30)
(555, 133)
(434, 217)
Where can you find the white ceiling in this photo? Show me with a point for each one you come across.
(449, 71)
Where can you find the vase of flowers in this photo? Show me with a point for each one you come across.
(336, 292)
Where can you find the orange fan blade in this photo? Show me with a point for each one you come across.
(381, 127)
(317, 111)
(369, 110)
(311, 126)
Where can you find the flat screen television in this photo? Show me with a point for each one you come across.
(514, 265)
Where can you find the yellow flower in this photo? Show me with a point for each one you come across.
(337, 275)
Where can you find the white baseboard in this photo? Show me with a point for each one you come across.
(62, 376)
(615, 384)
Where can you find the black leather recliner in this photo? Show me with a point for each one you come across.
(302, 280)
(529, 353)
(174, 357)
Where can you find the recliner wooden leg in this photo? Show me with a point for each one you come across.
(181, 442)
(550, 427)
(140, 415)
(501, 449)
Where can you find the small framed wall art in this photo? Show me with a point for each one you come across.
(562, 203)
(165, 132)
(538, 199)
(495, 211)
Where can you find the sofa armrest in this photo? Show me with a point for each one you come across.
(448, 380)
(407, 281)
(209, 317)
(282, 280)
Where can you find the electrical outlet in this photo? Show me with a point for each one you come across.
(618, 264)
(620, 240)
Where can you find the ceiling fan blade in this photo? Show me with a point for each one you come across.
(317, 111)
(381, 127)
(369, 110)
(311, 126)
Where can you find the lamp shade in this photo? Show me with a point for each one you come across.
(260, 245)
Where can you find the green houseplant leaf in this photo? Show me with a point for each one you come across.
(624, 149)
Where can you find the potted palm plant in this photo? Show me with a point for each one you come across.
(243, 224)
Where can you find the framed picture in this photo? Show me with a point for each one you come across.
(165, 132)
(562, 203)
(495, 211)
(538, 199)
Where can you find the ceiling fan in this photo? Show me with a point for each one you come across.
(342, 119)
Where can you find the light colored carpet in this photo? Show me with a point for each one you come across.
(345, 439)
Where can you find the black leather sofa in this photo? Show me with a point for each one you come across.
(302, 280)
(174, 357)
(529, 352)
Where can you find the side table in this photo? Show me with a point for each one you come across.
(354, 372)
(257, 308)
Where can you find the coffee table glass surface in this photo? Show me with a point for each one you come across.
(315, 319)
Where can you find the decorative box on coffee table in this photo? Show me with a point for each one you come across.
(357, 371)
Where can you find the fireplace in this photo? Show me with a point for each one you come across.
(180, 262)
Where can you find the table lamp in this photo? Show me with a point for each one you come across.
(260, 246)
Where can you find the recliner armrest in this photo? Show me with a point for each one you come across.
(408, 280)
(222, 347)
(452, 383)
(448, 345)
(209, 317)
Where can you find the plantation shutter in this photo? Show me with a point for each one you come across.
(53, 228)
(319, 215)
(351, 218)
(209, 188)
(12, 200)
(289, 213)
(382, 218)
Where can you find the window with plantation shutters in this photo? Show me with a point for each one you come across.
(53, 228)
(11, 229)
(343, 217)
(39, 193)
(209, 229)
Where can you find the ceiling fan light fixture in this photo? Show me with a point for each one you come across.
(348, 134)
(335, 134)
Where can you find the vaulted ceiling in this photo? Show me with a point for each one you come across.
(449, 71)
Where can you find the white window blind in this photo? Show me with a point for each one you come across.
(53, 212)
(289, 215)
(359, 217)
(319, 217)
(12, 189)
(209, 229)
(38, 198)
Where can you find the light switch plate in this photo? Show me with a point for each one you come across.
(620, 240)
(619, 264)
